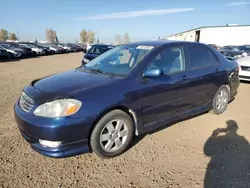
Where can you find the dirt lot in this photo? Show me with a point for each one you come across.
(182, 155)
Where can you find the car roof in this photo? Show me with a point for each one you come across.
(157, 43)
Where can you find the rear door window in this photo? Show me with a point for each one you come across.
(198, 56)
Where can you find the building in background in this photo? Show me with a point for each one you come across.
(231, 34)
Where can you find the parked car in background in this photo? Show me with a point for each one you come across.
(229, 48)
(13, 52)
(66, 48)
(75, 47)
(27, 49)
(125, 92)
(53, 49)
(245, 49)
(45, 48)
(231, 53)
(244, 73)
(61, 49)
(95, 51)
(35, 49)
(4, 54)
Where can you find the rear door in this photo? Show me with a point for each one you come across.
(204, 73)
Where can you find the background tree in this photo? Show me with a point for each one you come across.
(91, 36)
(50, 35)
(3, 35)
(84, 36)
(126, 38)
(36, 41)
(118, 39)
(12, 36)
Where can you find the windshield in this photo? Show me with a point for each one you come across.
(6, 46)
(99, 49)
(120, 60)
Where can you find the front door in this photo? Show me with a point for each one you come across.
(166, 95)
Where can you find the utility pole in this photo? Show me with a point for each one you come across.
(97, 39)
(18, 37)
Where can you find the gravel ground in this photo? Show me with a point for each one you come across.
(185, 154)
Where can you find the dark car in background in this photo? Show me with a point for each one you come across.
(13, 52)
(28, 50)
(231, 53)
(125, 92)
(242, 49)
(4, 54)
(75, 47)
(45, 48)
(95, 51)
(35, 49)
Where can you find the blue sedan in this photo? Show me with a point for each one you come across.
(127, 91)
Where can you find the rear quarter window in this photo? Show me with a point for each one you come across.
(199, 56)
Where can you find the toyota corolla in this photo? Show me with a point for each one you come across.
(127, 91)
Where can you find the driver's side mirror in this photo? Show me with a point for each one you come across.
(152, 73)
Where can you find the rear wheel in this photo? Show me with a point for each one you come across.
(221, 99)
(112, 134)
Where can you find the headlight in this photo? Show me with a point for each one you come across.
(244, 54)
(58, 108)
(85, 60)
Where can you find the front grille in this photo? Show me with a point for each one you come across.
(245, 68)
(26, 103)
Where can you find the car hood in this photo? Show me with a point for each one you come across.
(245, 61)
(66, 83)
(19, 50)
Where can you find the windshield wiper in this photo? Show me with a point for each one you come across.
(97, 71)
(101, 72)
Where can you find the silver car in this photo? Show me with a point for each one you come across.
(244, 63)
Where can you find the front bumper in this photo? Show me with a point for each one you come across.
(244, 75)
(72, 132)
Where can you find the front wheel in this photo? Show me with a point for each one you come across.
(112, 134)
(220, 101)
(10, 55)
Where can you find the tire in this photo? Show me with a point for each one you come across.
(112, 119)
(220, 107)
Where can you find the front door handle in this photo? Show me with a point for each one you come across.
(216, 71)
